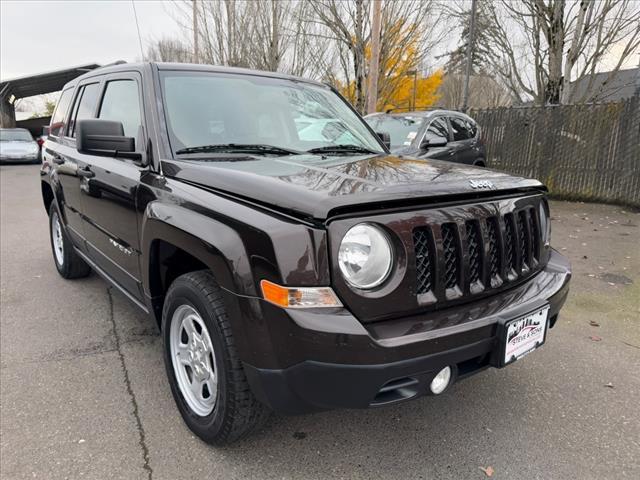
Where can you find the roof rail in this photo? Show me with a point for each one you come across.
(117, 62)
(409, 109)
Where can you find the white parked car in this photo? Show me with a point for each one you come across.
(17, 145)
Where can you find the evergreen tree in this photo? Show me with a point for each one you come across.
(482, 56)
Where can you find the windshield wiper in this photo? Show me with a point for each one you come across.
(257, 148)
(341, 149)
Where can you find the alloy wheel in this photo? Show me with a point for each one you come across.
(193, 359)
(58, 239)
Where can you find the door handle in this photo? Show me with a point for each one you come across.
(86, 172)
(57, 159)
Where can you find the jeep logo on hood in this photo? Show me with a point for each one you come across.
(477, 184)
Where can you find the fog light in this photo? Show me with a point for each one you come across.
(441, 380)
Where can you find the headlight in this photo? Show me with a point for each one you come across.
(545, 223)
(365, 256)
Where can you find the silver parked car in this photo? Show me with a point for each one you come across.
(17, 145)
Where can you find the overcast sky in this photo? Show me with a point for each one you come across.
(40, 36)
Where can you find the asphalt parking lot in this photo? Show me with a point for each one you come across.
(83, 389)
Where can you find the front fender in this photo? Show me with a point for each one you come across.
(212, 242)
(222, 249)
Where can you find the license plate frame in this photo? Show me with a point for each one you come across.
(524, 334)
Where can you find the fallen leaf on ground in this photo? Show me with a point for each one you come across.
(488, 471)
(595, 338)
(609, 385)
(593, 323)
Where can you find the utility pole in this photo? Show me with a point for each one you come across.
(472, 28)
(414, 74)
(374, 61)
(196, 54)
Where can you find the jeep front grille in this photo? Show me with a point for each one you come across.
(476, 255)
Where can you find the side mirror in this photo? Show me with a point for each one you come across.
(386, 138)
(105, 138)
(434, 141)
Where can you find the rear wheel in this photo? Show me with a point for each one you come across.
(205, 372)
(67, 261)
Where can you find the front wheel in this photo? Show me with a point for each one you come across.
(205, 372)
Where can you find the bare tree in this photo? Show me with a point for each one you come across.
(347, 23)
(169, 50)
(323, 39)
(484, 92)
(545, 45)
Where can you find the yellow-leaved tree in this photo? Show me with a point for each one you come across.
(402, 97)
(399, 71)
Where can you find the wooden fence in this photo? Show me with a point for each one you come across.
(581, 152)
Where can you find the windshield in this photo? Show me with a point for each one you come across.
(205, 109)
(401, 129)
(15, 136)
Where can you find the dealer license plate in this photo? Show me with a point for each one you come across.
(525, 335)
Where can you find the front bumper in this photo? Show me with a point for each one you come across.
(333, 361)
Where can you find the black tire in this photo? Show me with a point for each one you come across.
(236, 412)
(72, 266)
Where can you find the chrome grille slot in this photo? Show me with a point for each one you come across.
(495, 262)
(509, 243)
(423, 249)
(451, 255)
(474, 251)
(525, 239)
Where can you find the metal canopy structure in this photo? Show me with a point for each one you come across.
(11, 90)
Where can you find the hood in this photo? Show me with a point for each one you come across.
(318, 187)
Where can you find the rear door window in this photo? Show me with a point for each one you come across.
(460, 129)
(57, 121)
(121, 104)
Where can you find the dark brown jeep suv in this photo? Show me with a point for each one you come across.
(290, 261)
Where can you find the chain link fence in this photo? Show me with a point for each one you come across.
(581, 152)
